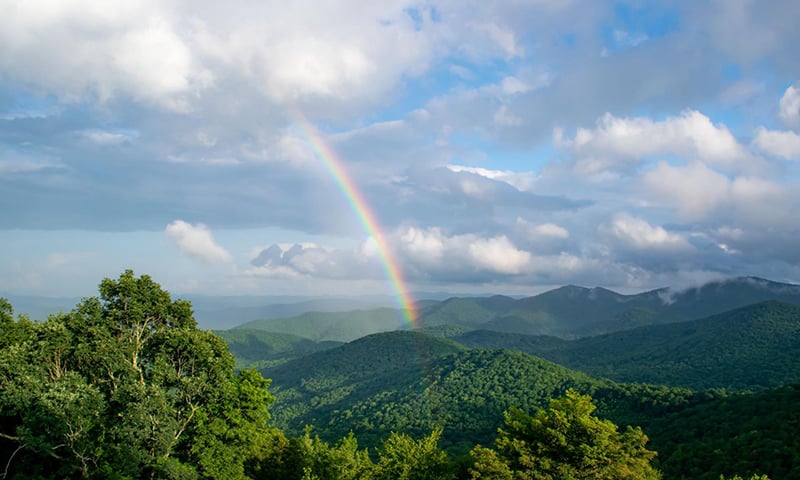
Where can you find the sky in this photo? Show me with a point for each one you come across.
(490, 146)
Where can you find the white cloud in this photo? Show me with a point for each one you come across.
(499, 255)
(425, 245)
(617, 141)
(695, 190)
(196, 241)
(698, 192)
(542, 230)
(784, 144)
(171, 53)
(131, 49)
(551, 230)
(639, 234)
(520, 180)
(432, 252)
(790, 107)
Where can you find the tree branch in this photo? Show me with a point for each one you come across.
(8, 464)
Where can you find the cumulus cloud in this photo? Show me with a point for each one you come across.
(499, 255)
(311, 260)
(640, 234)
(695, 190)
(196, 241)
(785, 144)
(615, 142)
(541, 238)
(423, 253)
(550, 230)
(790, 107)
(432, 251)
(133, 49)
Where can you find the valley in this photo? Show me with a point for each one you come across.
(672, 363)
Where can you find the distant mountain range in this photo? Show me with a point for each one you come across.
(757, 346)
(573, 311)
(566, 312)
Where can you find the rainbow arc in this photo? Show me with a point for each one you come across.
(364, 213)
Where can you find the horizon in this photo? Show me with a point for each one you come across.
(337, 149)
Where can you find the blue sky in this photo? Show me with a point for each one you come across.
(504, 147)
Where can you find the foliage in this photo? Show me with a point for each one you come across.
(752, 347)
(565, 441)
(744, 434)
(125, 384)
(403, 458)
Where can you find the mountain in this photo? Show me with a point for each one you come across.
(757, 346)
(221, 312)
(410, 382)
(573, 311)
(315, 388)
(227, 312)
(333, 326)
(258, 348)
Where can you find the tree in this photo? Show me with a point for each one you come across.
(566, 442)
(308, 457)
(127, 386)
(403, 458)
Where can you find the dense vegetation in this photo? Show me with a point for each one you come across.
(757, 346)
(126, 386)
(742, 433)
(467, 391)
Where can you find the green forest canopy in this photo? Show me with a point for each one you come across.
(126, 386)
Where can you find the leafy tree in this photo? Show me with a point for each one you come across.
(488, 465)
(126, 386)
(566, 442)
(308, 457)
(403, 458)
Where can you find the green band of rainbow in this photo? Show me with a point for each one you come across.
(364, 213)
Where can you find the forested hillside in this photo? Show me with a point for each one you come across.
(757, 346)
(467, 391)
(126, 386)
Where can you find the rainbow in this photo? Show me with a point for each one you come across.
(361, 208)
